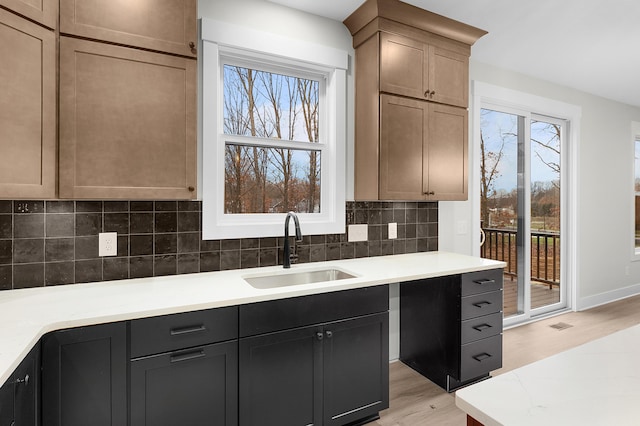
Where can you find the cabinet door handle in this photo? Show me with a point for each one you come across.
(481, 304)
(433, 92)
(482, 327)
(482, 357)
(25, 380)
(329, 334)
(187, 330)
(187, 356)
(484, 282)
(319, 335)
(426, 94)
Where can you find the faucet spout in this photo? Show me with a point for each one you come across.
(286, 262)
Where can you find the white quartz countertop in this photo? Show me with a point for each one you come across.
(26, 315)
(597, 383)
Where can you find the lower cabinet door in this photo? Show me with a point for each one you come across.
(6, 403)
(194, 387)
(356, 368)
(27, 390)
(84, 376)
(281, 378)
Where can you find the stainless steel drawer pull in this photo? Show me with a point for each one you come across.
(482, 327)
(482, 304)
(482, 357)
(187, 356)
(187, 330)
(485, 281)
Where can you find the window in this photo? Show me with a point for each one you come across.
(636, 188)
(273, 133)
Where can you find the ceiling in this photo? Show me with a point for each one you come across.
(592, 46)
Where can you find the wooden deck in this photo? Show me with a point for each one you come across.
(541, 295)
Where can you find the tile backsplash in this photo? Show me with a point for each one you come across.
(45, 243)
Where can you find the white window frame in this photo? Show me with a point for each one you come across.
(635, 138)
(221, 41)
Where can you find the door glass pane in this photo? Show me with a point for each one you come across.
(545, 213)
(499, 136)
(637, 191)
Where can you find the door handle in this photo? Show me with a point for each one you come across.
(187, 330)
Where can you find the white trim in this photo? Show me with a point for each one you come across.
(607, 297)
(635, 136)
(483, 95)
(281, 52)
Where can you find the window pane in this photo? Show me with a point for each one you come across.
(637, 190)
(268, 105)
(271, 180)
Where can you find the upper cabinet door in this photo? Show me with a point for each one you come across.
(44, 12)
(127, 123)
(27, 109)
(166, 25)
(448, 77)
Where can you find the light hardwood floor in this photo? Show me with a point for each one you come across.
(415, 401)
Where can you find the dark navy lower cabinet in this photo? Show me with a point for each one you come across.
(20, 395)
(84, 376)
(329, 373)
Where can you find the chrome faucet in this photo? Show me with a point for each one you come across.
(286, 262)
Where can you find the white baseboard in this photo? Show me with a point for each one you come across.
(589, 302)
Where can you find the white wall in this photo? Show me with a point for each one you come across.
(605, 173)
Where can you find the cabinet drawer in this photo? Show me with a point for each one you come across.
(283, 314)
(170, 332)
(481, 327)
(481, 357)
(481, 304)
(481, 281)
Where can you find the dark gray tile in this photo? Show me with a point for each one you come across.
(141, 267)
(141, 206)
(249, 243)
(399, 215)
(410, 230)
(6, 226)
(347, 250)
(6, 206)
(303, 253)
(58, 273)
(165, 265)
(387, 216)
(317, 253)
(249, 258)
(28, 276)
(269, 242)
(210, 261)
(6, 252)
(422, 230)
(60, 207)
(230, 245)
(411, 245)
(88, 224)
(86, 247)
(387, 247)
(115, 268)
(188, 263)
(116, 206)
(140, 245)
(188, 242)
(166, 222)
(141, 223)
(374, 232)
(229, 259)
(375, 217)
(166, 206)
(123, 245)
(423, 244)
(268, 256)
(411, 215)
(6, 277)
(188, 222)
(89, 206)
(60, 225)
(333, 251)
(362, 249)
(375, 248)
(433, 230)
(165, 243)
(399, 247)
(28, 225)
(210, 245)
(28, 250)
(318, 239)
(22, 206)
(189, 206)
(432, 244)
(116, 222)
(59, 249)
(423, 216)
(88, 270)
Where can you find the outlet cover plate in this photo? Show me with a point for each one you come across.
(393, 230)
(358, 232)
(108, 244)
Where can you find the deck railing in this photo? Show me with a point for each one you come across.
(500, 244)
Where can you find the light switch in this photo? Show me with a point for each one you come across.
(358, 232)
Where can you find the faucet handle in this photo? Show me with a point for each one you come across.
(293, 258)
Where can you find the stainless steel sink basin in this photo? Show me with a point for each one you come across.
(296, 278)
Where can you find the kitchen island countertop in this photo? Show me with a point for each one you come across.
(27, 314)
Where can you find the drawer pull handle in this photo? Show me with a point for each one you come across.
(187, 356)
(482, 357)
(187, 330)
(482, 327)
(485, 281)
(482, 304)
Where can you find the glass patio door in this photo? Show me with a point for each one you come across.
(521, 207)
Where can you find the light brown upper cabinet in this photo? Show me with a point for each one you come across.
(412, 146)
(44, 12)
(27, 109)
(412, 68)
(165, 26)
(127, 123)
(422, 151)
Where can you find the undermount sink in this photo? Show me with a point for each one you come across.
(296, 278)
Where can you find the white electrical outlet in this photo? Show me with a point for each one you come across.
(108, 244)
(393, 230)
(358, 232)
